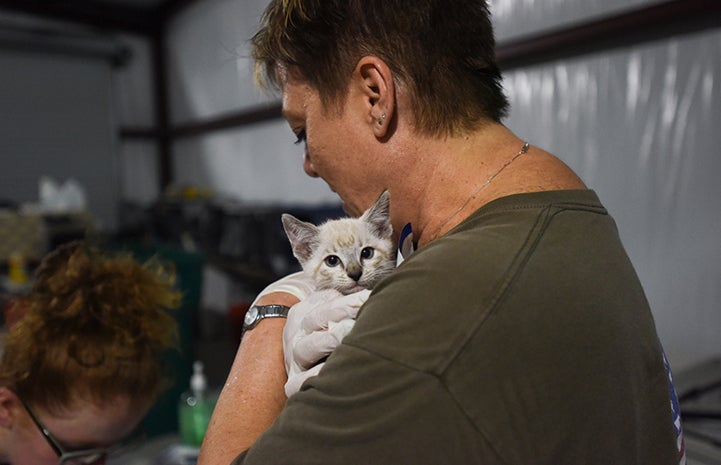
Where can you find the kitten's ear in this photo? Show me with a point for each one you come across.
(379, 217)
(303, 236)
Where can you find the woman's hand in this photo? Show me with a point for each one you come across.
(315, 327)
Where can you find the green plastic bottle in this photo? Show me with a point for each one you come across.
(195, 408)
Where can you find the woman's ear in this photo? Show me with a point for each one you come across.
(378, 89)
(9, 404)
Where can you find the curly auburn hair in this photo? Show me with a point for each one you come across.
(442, 51)
(94, 327)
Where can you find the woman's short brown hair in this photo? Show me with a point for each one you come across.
(441, 50)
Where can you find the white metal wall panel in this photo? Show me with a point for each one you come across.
(514, 18)
(57, 119)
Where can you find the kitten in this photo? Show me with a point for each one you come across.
(346, 254)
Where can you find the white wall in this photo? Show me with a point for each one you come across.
(517, 18)
(213, 74)
(640, 125)
(209, 58)
(258, 164)
(56, 120)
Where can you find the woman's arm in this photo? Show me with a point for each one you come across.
(253, 394)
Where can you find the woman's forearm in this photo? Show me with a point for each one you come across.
(253, 394)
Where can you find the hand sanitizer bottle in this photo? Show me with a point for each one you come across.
(195, 409)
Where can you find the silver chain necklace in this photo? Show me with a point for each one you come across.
(490, 179)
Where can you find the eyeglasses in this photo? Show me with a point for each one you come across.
(84, 456)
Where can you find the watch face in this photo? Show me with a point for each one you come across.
(251, 315)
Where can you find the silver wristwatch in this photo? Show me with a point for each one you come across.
(259, 312)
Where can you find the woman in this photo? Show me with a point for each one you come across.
(81, 362)
(517, 332)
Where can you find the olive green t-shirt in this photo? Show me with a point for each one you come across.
(521, 337)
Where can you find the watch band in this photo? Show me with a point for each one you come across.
(260, 312)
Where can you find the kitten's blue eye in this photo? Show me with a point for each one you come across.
(300, 137)
(367, 253)
(332, 260)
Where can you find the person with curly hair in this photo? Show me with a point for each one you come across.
(81, 360)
